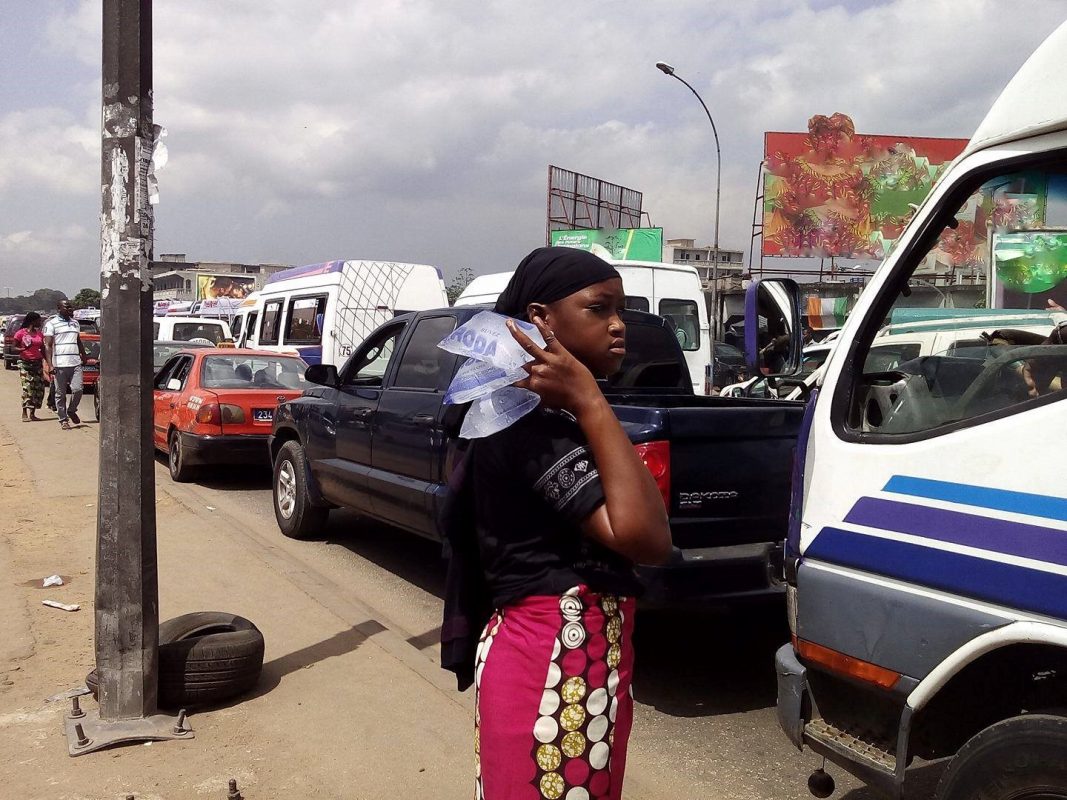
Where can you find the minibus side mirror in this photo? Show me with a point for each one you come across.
(773, 340)
(322, 374)
(174, 385)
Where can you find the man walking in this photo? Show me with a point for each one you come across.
(63, 362)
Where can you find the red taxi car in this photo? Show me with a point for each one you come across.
(217, 406)
(91, 367)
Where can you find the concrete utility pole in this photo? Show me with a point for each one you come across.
(127, 595)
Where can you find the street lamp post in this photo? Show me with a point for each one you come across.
(667, 69)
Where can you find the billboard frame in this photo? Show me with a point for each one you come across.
(577, 202)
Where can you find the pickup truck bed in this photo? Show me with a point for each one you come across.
(377, 438)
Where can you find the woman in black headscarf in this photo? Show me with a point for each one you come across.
(563, 508)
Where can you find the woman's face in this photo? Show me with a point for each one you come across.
(588, 324)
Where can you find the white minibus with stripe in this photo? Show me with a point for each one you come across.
(926, 561)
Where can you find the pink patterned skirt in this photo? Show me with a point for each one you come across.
(553, 701)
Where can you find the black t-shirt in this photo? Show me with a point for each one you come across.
(534, 484)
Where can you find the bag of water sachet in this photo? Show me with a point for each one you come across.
(494, 362)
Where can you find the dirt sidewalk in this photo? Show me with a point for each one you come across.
(341, 709)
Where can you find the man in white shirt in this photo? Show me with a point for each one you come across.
(63, 358)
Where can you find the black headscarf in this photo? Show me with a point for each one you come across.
(549, 274)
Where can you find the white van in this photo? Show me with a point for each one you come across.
(671, 290)
(243, 322)
(323, 311)
(925, 560)
(182, 329)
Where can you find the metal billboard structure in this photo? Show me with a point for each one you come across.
(577, 202)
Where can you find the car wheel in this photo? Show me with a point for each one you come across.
(205, 657)
(180, 472)
(297, 517)
(1021, 757)
(96, 405)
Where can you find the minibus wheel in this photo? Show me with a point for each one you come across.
(297, 517)
(1022, 758)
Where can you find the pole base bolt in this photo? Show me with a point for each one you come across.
(76, 709)
(179, 726)
(83, 740)
(233, 794)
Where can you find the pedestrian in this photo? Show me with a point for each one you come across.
(29, 344)
(561, 508)
(64, 356)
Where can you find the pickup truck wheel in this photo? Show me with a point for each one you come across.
(297, 517)
(180, 472)
(1022, 758)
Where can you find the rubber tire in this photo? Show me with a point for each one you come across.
(1017, 758)
(307, 520)
(204, 658)
(9, 364)
(96, 405)
(182, 473)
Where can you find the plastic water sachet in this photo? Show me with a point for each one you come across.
(476, 379)
(485, 337)
(497, 411)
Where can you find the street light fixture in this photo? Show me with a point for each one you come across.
(667, 69)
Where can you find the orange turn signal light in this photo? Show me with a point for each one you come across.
(846, 665)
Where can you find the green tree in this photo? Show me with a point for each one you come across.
(87, 298)
(458, 284)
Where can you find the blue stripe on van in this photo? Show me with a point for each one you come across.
(312, 355)
(1035, 505)
(972, 530)
(1004, 584)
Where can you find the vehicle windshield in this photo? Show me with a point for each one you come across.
(161, 353)
(92, 347)
(253, 372)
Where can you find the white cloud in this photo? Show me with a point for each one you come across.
(420, 129)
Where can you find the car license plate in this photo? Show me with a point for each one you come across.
(87, 368)
(263, 415)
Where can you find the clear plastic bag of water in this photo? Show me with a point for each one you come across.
(497, 411)
(476, 379)
(485, 337)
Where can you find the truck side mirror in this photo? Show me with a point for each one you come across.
(322, 374)
(773, 341)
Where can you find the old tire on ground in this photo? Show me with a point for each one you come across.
(1021, 757)
(204, 658)
(297, 517)
(180, 472)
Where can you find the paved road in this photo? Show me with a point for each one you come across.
(705, 683)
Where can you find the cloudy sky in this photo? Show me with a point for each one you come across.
(421, 130)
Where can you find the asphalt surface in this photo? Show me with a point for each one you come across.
(705, 685)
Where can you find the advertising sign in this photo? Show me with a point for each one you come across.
(1031, 268)
(834, 192)
(212, 287)
(631, 244)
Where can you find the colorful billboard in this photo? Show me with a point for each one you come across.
(631, 244)
(834, 192)
(212, 287)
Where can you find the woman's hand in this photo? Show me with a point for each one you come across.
(561, 380)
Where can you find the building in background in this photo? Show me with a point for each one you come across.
(686, 251)
(175, 278)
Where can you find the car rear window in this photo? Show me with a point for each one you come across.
(212, 331)
(253, 372)
(653, 361)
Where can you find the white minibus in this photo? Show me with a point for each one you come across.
(323, 311)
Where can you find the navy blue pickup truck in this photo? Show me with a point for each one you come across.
(375, 437)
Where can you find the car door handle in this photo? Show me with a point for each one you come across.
(425, 420)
